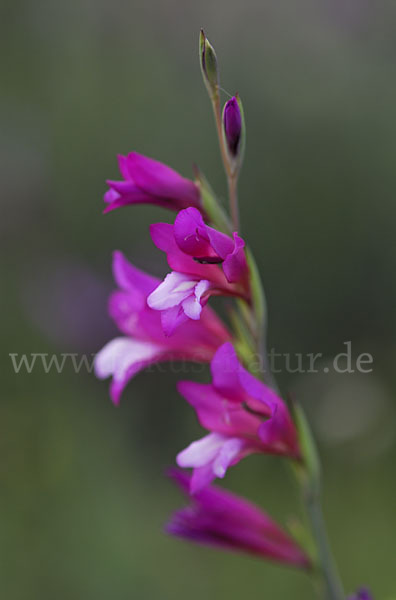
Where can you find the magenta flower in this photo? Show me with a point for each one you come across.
(144, 342)
(148, 181)
(362, 594)
(204, 262)
(221, 519)
(243, 415)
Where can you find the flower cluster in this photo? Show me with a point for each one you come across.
(172, 320)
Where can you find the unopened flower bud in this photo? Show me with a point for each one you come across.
(234, 130)
(208, 60)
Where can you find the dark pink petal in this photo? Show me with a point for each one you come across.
(226, 368)
(130, 193)
(216, 414)
(117, 203)
(147, 181)
(235, 266)
(123, 165)
(130, 278)
(157, 179)
(258, 396)
(190, 233)
(201, 478)
(279, 432)
(221, 243)
(163, 237)
(223, 519)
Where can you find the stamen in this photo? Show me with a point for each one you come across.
(208, 260)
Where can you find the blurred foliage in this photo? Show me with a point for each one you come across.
(83, 494)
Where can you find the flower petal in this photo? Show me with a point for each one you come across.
(172, 318)
(216, 414)
(157, 179)
(193, 305)
(228, 454)
(175, 288)
(235, 266)
(210, 457)
(130, 278)
(123, 358)
(220, 518)
(201, 452)
(190, 233)
(226, 368)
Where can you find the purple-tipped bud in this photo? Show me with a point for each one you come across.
(234, 131)
(232, 120)
(208, 61)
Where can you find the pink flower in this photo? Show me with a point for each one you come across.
(243, 415)
(204, 262)
(224, 520)
(147, 181)
(144, 341)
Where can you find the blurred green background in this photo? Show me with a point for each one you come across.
(83, 495)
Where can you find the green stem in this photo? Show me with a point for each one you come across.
(232, 176)
(308, 472)
(327, 568)
(233, 195)
(310, 486)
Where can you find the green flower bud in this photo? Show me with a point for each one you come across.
(208, 60)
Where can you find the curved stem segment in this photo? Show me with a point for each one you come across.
(232, 176)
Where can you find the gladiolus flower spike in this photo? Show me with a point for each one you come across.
(171, 320)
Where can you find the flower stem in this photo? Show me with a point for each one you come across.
(309, 481)
(309, 485)
(232, 177)
(328, 570)
(233, 195)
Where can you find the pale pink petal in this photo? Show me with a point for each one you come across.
(227, 455)
(171, 292)
(201, 452)
(123, 358)
(192, 305)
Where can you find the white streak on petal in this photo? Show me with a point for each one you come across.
(171, 292)
(120, 354)
(228, 452)
(192, 306)
(201, 452)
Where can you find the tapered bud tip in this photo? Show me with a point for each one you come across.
(208, 62)
(232, 122)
